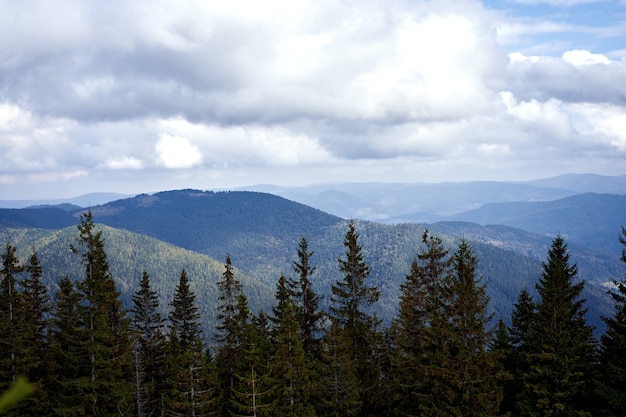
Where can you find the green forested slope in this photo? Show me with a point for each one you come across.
(129, 255)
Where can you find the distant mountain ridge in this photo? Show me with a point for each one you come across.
(431, 202)
(68, 204)
(591, 220)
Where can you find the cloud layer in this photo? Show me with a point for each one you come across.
(248, 90)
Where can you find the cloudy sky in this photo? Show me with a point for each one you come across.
(141, 96)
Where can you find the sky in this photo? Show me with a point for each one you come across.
(142, 96)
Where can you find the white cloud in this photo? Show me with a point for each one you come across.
(252, 145)
(177, 152)
(125, 162)
(582, 57)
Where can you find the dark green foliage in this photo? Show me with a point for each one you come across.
(36, 311)
(338, 387)
(306, 300)
(254, 393)
(149, 350)
(106, 388)
(416, 340)
(233, 319)
(468, 378)
(350, 297)
(11, 318)
(560, 350)
(67, 340)
(502, 347)
(612, 384)
(191, 387)
(184, 318)
(518, 362)
(291, 368)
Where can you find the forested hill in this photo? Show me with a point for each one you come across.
(203, 221)
(588, 219)
(261, 231)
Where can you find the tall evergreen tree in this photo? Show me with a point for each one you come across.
(421, 303)
(10, 320)
(290, 367)
(36, 311)
(67, 340)
(108, 346)
(338, 385)
(306, 300)
(233, 318)
(254, 393)
(560, 348)
(518, 366)
(612, 379)
(467, 376)
(150, 350)
(188, 376)
(350, 298)
(184, 317)
(502, 347)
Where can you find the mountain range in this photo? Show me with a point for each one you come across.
(164, 232)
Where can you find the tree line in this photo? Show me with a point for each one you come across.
(84, 354)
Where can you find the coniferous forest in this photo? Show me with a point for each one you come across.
(443, 354)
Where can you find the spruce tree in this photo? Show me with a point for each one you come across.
(290, 367)
(467, 377)
(502, 347)
(416, 340)
(560, 349)
(149, 350)
(522, 322)
(108, 347)
(254, 394)
(67, 341)
(37, 364)
(350, 299)
(306, 300)
(338, 386)
(191, 389)
(11, 318)
(612, 381)
(233, 318)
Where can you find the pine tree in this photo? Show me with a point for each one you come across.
(108, 346)
(190, 387)
(560, 348)
(306, 300)
(612, 379)
(350, 297)
(149, 350)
